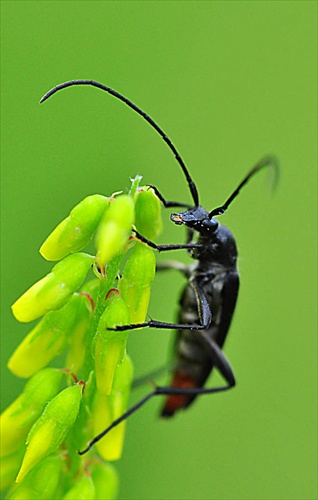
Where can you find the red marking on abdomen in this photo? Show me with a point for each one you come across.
(175, 403)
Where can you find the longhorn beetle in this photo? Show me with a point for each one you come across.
(208, 300)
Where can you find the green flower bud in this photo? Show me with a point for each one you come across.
(105, 479)
(41, 482)
(106, 409)
(18, 418)
(80, 342)
(9, 467)
(148, 214)
(83, 489)
(48, 338)
(50, 429)
(110, 346)
(135, 284)
(115, 228)
(55, 289)
(74, 232)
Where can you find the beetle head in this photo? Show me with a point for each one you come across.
(198, 219)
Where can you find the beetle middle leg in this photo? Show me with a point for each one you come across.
(184, 269)
(205, 316)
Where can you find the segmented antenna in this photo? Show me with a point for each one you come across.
(267, 161)
(133, 106)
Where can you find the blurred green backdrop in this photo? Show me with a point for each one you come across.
(229, 82)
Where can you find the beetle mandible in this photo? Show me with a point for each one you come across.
(208, 300)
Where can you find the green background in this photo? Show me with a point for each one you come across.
(229, 82)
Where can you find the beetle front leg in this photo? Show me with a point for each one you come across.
(156, 324)
(164, 248)
(166, 203)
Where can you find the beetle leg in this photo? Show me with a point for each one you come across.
(219, 359)
(162, 248)
(203, 309)
(157, 324)
(166, 203)
(174, 264)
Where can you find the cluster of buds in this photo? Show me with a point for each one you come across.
(60, 409)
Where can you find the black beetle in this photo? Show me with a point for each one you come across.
(208, 300)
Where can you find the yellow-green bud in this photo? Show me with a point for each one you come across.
(148, 214)
(48, 338)
(110, 346)
(106, 409)
(135, 284)
(50, 429)
(115, 228)
(83, 489)
(19, 417)
(55, 289)
(105, 480)
(41, 482)
(74, 232)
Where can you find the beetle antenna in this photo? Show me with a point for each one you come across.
(267, 161)
(192, 186)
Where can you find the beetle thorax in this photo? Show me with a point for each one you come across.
(220, 249)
